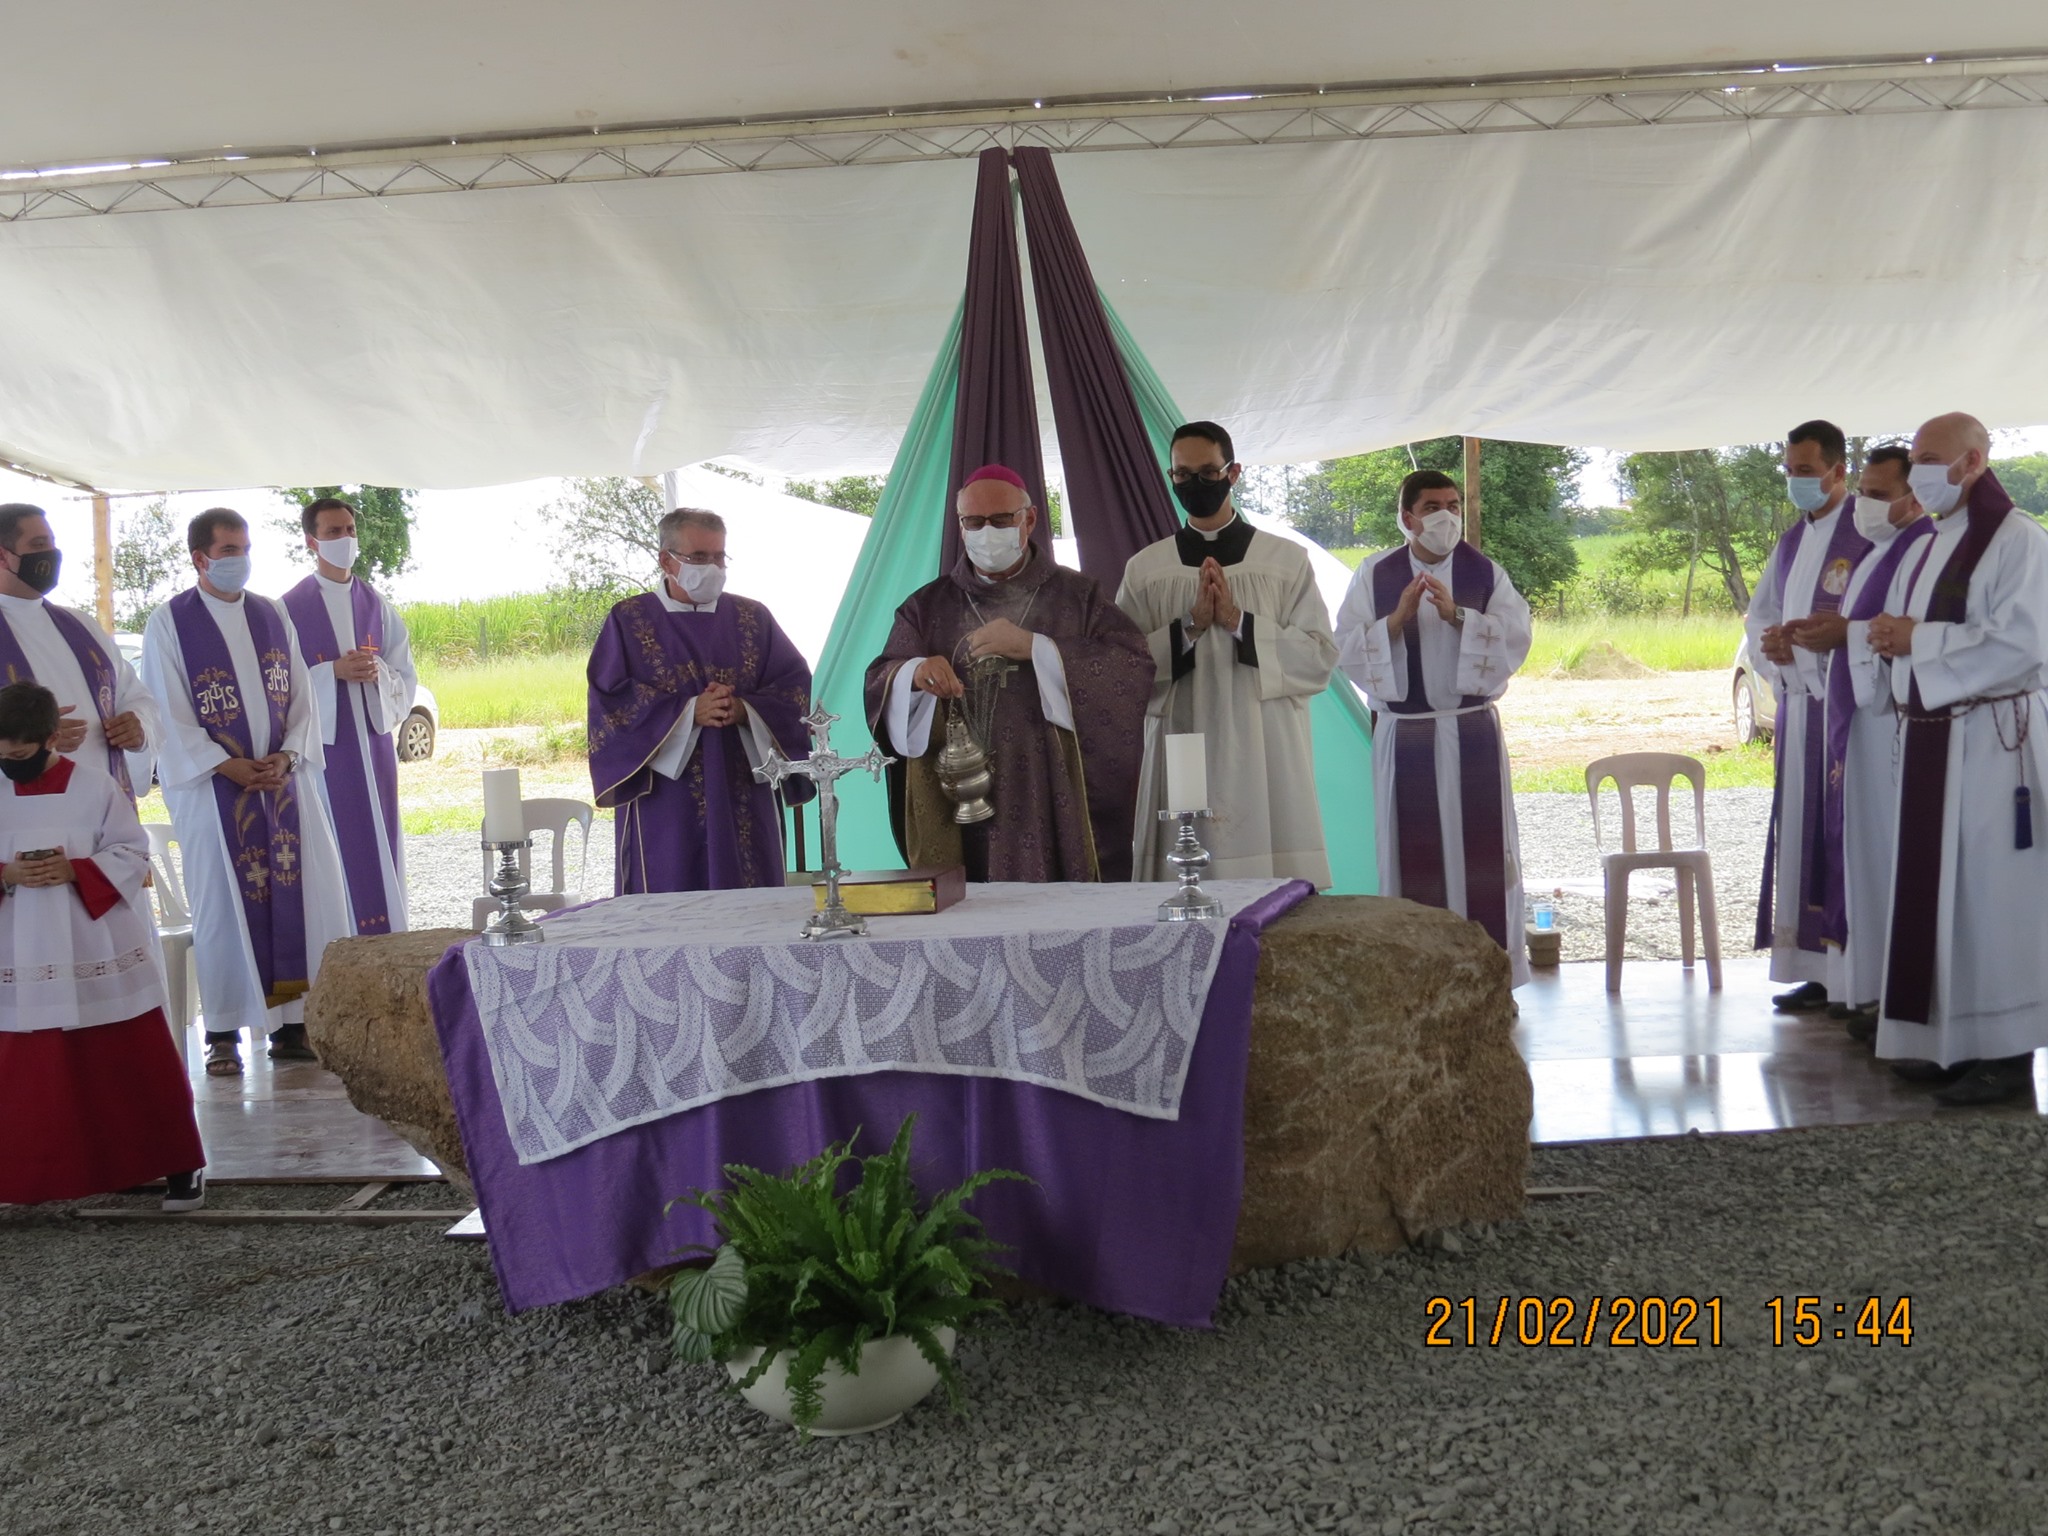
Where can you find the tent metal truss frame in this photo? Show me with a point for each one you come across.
(1236, 119)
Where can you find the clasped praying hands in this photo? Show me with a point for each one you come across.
(1213, 601)
(1424, 588)
(1891, 635)
(718, 704)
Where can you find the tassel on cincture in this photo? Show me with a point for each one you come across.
(2023, 817)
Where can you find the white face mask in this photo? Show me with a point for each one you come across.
(339, 552)
(1874, 518)
(1440, 532)
(993, 549)
(701, 584)
(1931, 488)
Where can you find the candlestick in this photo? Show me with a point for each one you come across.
(504, 815)
(1190, 858)
(509, 925)
(1187, 772)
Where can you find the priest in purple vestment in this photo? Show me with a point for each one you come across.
(690, 688)
(1067, 730)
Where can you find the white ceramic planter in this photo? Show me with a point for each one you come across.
(893, 1376)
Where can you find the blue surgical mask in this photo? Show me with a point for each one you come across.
(228, 573)
(1806, 492)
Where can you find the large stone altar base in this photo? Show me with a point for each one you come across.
(1384, 1096)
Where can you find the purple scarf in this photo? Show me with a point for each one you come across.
(261, 829)
(93, 661)
(1418, 817)
(1820, 859)
(1923, 776)
(347, 790)
(1841, 711)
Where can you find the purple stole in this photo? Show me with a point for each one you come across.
(93, 661)
(1418, 817)
(1841, 711)
(261, 830)
(347, 790)
(1923, 777)
(1820, 860)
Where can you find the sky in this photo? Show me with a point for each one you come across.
(495, 539)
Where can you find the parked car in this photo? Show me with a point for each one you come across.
(1756, 702)
(416, 732)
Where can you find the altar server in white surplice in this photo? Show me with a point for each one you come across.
(359, 658)
(1861, 799)
(1966, 970)
(109, 719)
(1241, 642)
(239, 756)
(1433, 631)
(1806, 576)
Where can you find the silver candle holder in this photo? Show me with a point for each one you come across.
(509, 925)
(1189, 858)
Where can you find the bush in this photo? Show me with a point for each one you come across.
(481, 630)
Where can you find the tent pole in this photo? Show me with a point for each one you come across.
(1472, 524)
(103, 559)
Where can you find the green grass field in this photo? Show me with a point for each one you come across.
(1586, 646)
(523, 690)
(1736, 768)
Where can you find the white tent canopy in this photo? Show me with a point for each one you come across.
(1325, 273)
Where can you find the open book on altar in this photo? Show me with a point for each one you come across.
(890, 892)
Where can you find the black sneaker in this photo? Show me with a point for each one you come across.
(1929, 1073)
(185, 1191)
(1810, 998)
(289, 1044)
(1862, 1023)
(1991, 1081)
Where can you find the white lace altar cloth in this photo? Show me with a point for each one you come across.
(645, 1006)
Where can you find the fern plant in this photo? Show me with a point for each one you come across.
(804, 1270)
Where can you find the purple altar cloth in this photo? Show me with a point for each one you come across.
(1129, 1214)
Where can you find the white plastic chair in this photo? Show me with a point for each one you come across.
(174, 933)
(1691, 867)
(554, 816)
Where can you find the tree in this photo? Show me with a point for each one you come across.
(150, 560)
(1722, 507)
(607, 532)
(1525, 493)
(859, 494)
(383, 523)
(2025, 481)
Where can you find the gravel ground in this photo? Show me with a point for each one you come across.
(1558, 847)
(268, 1380)
(444, 873)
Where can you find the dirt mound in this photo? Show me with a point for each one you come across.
(1601, 660)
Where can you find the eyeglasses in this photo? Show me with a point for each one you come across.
(1208, 476)
(997, 520)
(721, 560)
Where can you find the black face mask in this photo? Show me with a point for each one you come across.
(1202, 498)
(39, 569)
(25, 770)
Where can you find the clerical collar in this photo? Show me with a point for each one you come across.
(9, 600)
(675, 606)
(222, 602)
(347, 581)
(1226, 545)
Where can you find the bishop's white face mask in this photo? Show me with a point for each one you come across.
(993, 549)
(339, 552)
(1931, 488)
(1874, 519)
(701, 584)
(1440, 532)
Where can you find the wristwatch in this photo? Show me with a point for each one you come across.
(291, 761)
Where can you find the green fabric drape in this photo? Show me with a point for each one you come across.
(899, 555)
(1341, 724)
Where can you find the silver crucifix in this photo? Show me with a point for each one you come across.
(824, 768)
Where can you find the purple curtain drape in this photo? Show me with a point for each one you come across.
(995, 420)
(1117, 501)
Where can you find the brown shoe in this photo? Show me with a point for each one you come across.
(289, 1044)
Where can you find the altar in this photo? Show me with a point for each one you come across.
(1061, 1031)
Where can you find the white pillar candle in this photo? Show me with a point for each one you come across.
(1187, 772)
(504, 816)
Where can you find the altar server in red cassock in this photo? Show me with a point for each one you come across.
(93, 1096)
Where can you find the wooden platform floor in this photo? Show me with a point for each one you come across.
(290, 1120)
(1666, 1056)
